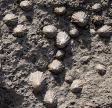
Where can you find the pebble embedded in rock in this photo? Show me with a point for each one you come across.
(74, 32)
(62, 39)
(50, 31)
(105, 31)
(96, 7)
(80, 18)
(20, 31)
(92, 32)
(10, 19)
(76, 86)
(50, 99)
(37, 79)
(60, 10)
(101, 69)
(26, 5)
(56, 66)
(59, 54)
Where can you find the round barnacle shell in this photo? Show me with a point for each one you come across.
(101, 69)
(96, 7)
(60, 10)
(50, 31)
(59, 54)
(50, 99)
(105, 31)
(20, 31)
(80, 18)
(56, 66)
(26, 5)
(74, 32)
(37, 80)
(10, 19)
(62, 39)
(76, 86)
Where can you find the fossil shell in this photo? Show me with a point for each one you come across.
(74, 32)
(62, 39)
(105, 31)
(56, 66)
(60, 10)
(96, 7)
(10, 19)
(37, 80)
(20, 31)
(80, 18)
(59, 54)
(50, 31)
(50, 99)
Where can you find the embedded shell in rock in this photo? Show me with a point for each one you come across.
(56, 66)
(10, 19)
(50, 31)
(60, 10)
(20, 31)
(105, 31)
(74, 32)
(80, 18)
(37, 80)
(59, 54)
(96, 7)
(62, 39)
(50, 99)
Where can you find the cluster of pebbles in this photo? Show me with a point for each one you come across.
(80, 18)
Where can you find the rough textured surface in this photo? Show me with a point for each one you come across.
(22, 56)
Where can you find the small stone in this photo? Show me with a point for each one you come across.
(105, 31)
(80, 18)
(56, 66)
(96, 7)
(62, 39)
(59, 54)
(76, 86)
(37, 80)
(10, 19)
(74, 32)
(60, 10)
(92, 32)
(19, 31)
(101, 69)
(50, 31)
(50, 99)
(26, 5)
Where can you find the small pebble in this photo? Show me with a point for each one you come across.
(37, 80)
(101, 69)
(80, 18)
(50, 31)
(60, 10)
(62, 39)
(59, 54)
(76, 86)
(96, 7)
(105, 31)
(26, 5)
(50, 99)
(92, 32)
(74, 32)
(20, 31)
(10, 19)
(56, 66)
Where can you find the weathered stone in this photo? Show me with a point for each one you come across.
(74, 32)
(59, 54)
(37, 80)
(50, 31)
(60, 10)
(56, 66)
(96, 7)
(62, 39)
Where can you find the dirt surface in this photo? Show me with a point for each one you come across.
(22, 56)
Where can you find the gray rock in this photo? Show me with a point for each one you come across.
(60, 10)
(62, 39)
(20, 31)
(59, 54)
(105, 31)
(10, 19)
(50, 31)
(37, 80)
(76, 86)
(26, 5)
(56, 66)
(74, 32)
(80, 18)
(96, 7)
